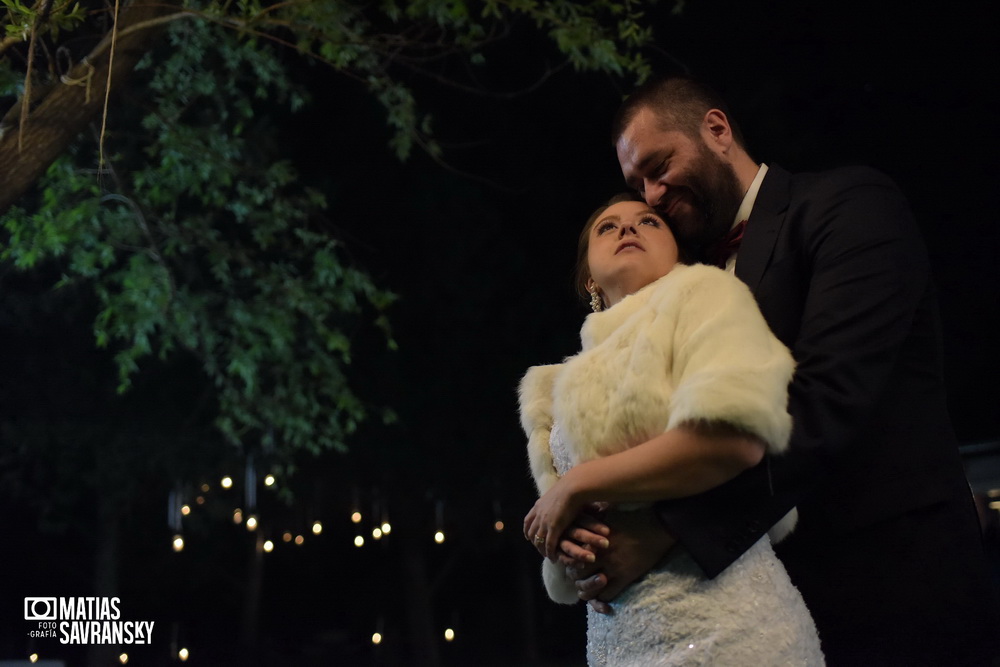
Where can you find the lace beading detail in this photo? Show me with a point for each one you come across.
(562, 457)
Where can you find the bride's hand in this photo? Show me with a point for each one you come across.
(586, 536)
(552, 514)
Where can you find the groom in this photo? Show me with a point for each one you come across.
(887, 552)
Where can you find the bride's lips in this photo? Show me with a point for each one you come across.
(629, 244)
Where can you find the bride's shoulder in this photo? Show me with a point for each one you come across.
(694, 281)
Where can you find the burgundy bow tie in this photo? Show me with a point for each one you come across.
(719, 253)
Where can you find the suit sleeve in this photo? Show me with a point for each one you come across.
(866, 273)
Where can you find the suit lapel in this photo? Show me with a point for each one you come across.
(763, 226)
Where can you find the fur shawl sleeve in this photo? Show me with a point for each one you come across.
(535, 399)
(727, 365)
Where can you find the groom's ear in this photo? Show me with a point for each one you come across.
(716, 131)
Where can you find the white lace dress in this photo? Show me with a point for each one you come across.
(749, 616)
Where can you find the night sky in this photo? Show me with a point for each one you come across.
(481, 255)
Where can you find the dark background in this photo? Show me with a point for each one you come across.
(481, 255)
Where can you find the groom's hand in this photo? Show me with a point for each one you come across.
(585, 536)
(636, 542)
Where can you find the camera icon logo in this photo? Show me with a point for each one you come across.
(40, 609)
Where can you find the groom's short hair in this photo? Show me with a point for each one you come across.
(679, 102)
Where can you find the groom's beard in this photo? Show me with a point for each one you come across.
(716, 195)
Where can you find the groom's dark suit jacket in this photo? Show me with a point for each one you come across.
(887, 552)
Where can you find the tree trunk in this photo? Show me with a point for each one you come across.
(422, 647)
(251, 603)
(66, 110)
(105, 573)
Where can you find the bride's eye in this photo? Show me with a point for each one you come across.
(650, 220)
(605, 227)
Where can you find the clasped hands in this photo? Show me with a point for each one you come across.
(603, 549)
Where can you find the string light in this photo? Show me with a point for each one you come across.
(268, 546)
(123, 658)
(299, 540)
(227, 482)
(376, 534)
(498, 526)
(356, 517)
(439, 521)
(33, 657)
(252, 523)
(317, 528)
(359, 541)
(449, 635)
(200, 500)
(205, 488)
(269, 480)
(183, 654)
(377, 638)
(237, 516)
(178, 543)
(286, 537)
(185, 509)
(386, 528)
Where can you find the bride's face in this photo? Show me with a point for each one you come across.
(630, 246)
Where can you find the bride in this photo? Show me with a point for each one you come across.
(679, 386)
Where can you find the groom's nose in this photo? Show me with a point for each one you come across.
(653, 191)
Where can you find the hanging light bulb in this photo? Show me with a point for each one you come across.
(317, 528)
(33, 657)
(178, 543)
(268, 546)
(386, 528)
(286, 537)
(183, 655)
(299, 540)
(439, 521)
(377, 638)
(498, 526)
(227, 482)
(205, 488)
(185, 509)
(376, 533)
(252, 523)
(356, 517)
(123, 658)
(237, 516)
(449, 635)
(359, 541)
(269, 480)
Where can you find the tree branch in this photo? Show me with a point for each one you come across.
(65, 110)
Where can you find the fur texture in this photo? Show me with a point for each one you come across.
(691, 346)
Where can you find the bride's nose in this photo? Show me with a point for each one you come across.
(626, 228)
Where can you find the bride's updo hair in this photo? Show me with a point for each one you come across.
(582, 274)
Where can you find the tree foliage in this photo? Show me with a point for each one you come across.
(195, 233)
